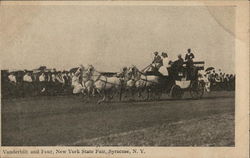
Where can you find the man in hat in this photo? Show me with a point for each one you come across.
(42, 82)
(189, 61)
(157, 61)
(123, 72)
(189, 56)
(179, 62)
(27, 83)
(53, 76)
(59, 82)
(177, 66)
(52, 82)
(12, 78)
(27, 77)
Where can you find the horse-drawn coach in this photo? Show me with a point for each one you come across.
(188, 80)
(147, 84)
(184, 79)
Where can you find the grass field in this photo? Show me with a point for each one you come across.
(68, 120)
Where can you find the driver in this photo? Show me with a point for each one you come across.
(157, 61)
(123, 72)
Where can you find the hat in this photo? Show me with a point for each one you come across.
(81, 66)
(164, 54)
(156, 53)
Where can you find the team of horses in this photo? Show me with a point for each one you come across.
(132, 81)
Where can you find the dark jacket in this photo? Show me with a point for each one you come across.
(189, 57)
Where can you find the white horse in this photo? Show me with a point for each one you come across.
(107, 87)
(148, 83)
(88, 84)
(128, 82)
(77, 86)
(82, 83)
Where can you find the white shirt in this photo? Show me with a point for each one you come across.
(27, 78)
(53, 77)
(165, 62)
(12, 78)
(42, 78)
(163, 69)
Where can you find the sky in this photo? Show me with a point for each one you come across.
(110, 37)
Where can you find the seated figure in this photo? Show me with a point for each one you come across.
(176, 67)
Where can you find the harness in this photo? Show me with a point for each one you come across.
(105, 81)
(146, 79)
(84, 84)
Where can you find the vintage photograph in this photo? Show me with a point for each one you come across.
(118, 75)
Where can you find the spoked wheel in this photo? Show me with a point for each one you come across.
(176, 92)
(196, 89)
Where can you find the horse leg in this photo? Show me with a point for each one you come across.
(132, 93)
(139, 92)
(98, 92)
(104, 97)
(83, 92)
(93, 92)
(120, 94)
(148, 93)
(88, 93)
(112, 93)
(125, 92)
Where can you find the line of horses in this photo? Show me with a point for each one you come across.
(91, 83)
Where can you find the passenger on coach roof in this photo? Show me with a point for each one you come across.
(157, 61)
(189, 58)
(165, 64)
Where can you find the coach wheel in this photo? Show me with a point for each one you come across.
(176, 92)
(196, 89)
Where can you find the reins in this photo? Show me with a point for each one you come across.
(106, 79)
(146, 79)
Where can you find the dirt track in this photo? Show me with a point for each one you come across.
(67, 120)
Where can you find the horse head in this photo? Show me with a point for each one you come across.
(90, 68)
(92, 73)
(135, 72)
